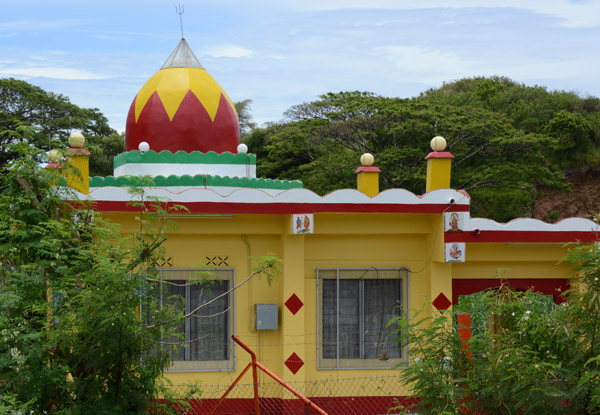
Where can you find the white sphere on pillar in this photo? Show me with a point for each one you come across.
(367, 159)
(438, 143)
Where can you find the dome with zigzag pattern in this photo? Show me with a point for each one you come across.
(182, 108)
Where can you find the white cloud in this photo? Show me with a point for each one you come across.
(580, 14)
(229, 51)
(31, 25)
(55, 72)
(425, 64)
(546, 70)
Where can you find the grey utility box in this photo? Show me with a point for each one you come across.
(266, 316)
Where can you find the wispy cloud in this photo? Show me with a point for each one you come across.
(55, 72)
(573, 14)
(281, 53)
(429, 65)
(30, 25)
(229, 51)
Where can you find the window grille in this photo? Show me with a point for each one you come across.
(207, 331)
(354, 308)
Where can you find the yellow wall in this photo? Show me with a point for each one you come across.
(340, 240)
(511, 261)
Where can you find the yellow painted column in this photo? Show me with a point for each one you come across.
(367, 176)
(79, 178)
(439, 163)
(79, 158)
(440, 272)
(293, 308)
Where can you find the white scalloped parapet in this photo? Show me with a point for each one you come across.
(299, 195)
(234, 199)
(533, 225)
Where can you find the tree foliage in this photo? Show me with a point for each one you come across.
(85, 323)
(81, 317)
(51, 118)
(509, 140)
(527, 354)
(245, 116)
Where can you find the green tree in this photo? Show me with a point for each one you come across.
(243, 109)
(527, 354)
(321, 142)
(81, 318)
(103, 153)
(85, 326)
(568, 119)
(51, 118)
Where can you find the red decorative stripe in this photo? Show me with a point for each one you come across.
(548, 286)
(521, 236)
(288, 208)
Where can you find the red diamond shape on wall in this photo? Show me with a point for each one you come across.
(441, 302)
(294, 304)
(294, 363)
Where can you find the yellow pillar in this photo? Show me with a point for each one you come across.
(78, 158)
(293, 308)
(439, 164)
(440, 272)
(367, 176)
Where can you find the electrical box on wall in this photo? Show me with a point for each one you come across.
(266, 316)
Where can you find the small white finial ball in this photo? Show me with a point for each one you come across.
(76, 140)
(438, 143)
(143, 146)
(367, 159)
(55, 156)
(242, 148)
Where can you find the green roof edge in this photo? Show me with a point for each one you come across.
(181, 157)
(200, 180)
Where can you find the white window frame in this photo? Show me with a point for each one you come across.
(365, 273)
(223, 274)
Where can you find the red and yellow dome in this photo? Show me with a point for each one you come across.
(182, 108)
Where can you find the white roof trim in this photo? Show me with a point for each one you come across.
(298, 195)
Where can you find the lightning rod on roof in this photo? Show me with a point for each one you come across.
(179, 10)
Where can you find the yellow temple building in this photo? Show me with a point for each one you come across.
(351, 260)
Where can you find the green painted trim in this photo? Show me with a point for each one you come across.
(181, 157)
(200, 180)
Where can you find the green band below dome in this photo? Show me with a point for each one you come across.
(200, 180)
(181, 157)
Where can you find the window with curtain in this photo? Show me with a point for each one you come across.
(208, 328)
(355, 306)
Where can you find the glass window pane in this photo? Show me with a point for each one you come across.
(382, 303)
(349, 319)
(329, 319)
(209, 326)
(174, 293)
(349, 308)
(354, 311)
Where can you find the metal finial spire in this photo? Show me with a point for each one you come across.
(179, 10)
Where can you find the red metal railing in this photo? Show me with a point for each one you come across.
(255, 364)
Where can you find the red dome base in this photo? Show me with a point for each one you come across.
(191, 128)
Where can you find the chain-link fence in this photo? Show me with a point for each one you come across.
(360, 396)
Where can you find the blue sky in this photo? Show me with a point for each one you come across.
(280, 53)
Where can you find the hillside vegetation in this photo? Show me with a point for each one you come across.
(512, 143)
